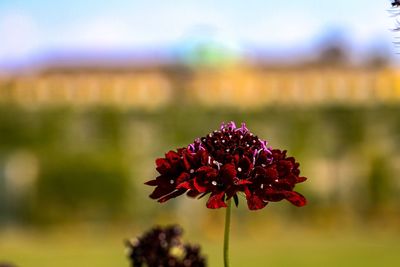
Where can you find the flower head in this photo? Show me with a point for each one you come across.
(395, 3)
(163, 247)
(227, 162)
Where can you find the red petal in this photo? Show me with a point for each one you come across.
(245, 164)
(161, 191)
(182, 177)
(301, 179)
(172, 195)
(247, 192)
(230, 192)
(186, 161)
(151, 183)
(295, 198)
(228, 171)
(204, 157)
(243, 181)
(260, 170)
(199, 187)
(215, 201)
(236, 158)
(272, 173)
(255, 203)
(185, 185)
(172, 156)
(162, 165)
(204, 169)
(208, 171)
(274, 195)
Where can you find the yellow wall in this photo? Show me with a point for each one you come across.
(245, 87)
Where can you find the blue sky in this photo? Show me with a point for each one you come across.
(34, 27)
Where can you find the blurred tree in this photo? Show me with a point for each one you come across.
(3, 196)
(379, 189)
(87, 158)
(107, 126)
(73, 187)
(379, 186)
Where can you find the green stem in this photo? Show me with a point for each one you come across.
(226, 233)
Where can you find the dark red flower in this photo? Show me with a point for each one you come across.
(395, 3)
(163, 247)
(225, 163)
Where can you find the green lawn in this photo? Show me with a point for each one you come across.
(263, 249)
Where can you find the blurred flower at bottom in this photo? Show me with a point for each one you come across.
(162, 246)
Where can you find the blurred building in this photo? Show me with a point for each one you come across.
(239, 85)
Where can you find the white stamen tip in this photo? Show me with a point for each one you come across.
(276, 180)
(227, 150)
(171, 181)
(241, 136)
(247, 145)
(215, 141)
(214, 183)
(191, 171)
(223, 141)
(239, 169)
(263, 165)
(262, 186)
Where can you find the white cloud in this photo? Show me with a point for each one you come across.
(19, 35)
(152, 23)
(146, 26)
(281, 29)
(98, 32)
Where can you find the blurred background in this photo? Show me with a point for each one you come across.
(92, 92)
